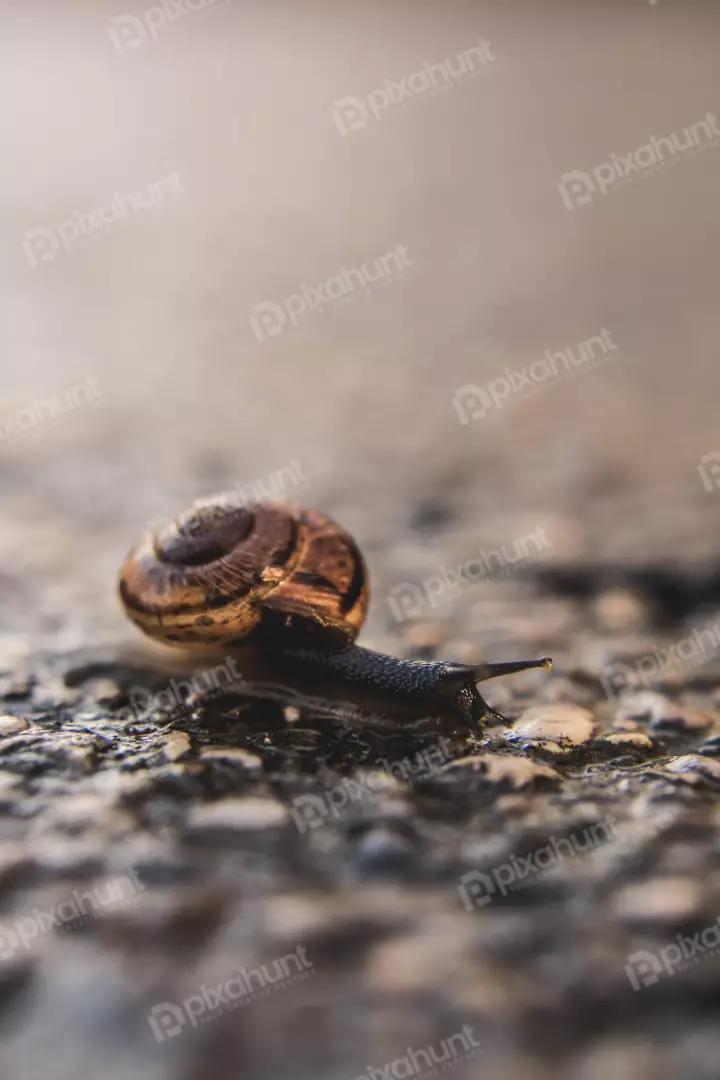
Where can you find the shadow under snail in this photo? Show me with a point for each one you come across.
(286, 591)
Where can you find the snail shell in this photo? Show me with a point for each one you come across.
(226, 574)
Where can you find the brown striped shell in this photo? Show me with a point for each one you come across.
(224, 573)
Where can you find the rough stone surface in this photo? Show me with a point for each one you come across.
(243, 886)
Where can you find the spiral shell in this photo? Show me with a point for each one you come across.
(224, 573)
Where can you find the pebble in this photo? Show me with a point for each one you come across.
(623, 1057)
(176, 745)
(571, 723)
(86, 813)
(662, 899)
(79, 756)
(11, 725)
(623, 723)
(14, 858)
(687, 718)
(119, 787)
(18, 684)
(51, 694)
(383, 849)
(693, 768)
(151, 861)
(508, 769)
(8, 782)
(294, 915)
(104, 691)
(691, 718)
(711, 746)
(236, 815)
(631, 738)
(380, 782)
(512, 805)
(661, 713)
(233, 755)
(435, 950)
(619, 609)
(644, 706)
(63, 856)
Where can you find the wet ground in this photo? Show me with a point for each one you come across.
(250, 886)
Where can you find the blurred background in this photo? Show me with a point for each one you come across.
(449, 272)
(179, 181)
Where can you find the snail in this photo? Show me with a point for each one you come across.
(286, 590)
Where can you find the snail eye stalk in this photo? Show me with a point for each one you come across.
(491, 671)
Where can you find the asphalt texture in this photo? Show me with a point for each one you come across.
(464, 325)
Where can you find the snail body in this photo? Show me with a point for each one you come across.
(287, 589)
